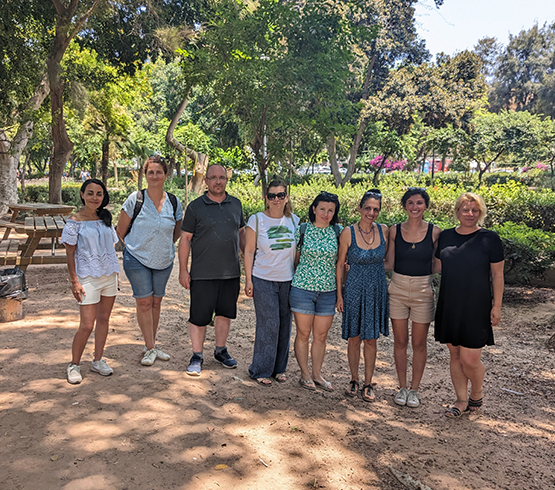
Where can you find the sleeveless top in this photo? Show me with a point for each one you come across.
(414, 259)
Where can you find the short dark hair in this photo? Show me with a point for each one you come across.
(324, 197)
(102, 213)
(156, 159)
(415, 191)
(371, 194)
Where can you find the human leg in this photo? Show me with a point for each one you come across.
(400, 342)
(303, 324)
(353, 355)
(320, 329)
(103, 311)
(458, 377)
(87, 316)
(475, 371)
(144, 308)
(284, 336)
(419, 352)
(266, 306)
(370, 351)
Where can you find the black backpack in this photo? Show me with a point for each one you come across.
(139, 204)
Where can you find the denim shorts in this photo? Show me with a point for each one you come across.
(313, 302)
(144, 280)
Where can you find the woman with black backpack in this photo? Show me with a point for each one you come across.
(149, 225)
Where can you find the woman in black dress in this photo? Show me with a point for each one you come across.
(472, 263)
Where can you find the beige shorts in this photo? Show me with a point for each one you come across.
(95, 287)
(411, 297)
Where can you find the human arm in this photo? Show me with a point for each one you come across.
(123, 225)
(183, 253)
(436, 263)
(242, 239)
(249, 251)
(498, 283)
(390, 255)
(344, 244)
(176, 230)
(76, 288)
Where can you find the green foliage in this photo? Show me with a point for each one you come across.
(529, 253)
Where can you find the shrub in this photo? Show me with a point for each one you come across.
(529, 253)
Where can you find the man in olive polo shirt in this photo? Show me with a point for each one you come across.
(213, 231)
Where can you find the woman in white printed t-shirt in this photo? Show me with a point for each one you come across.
(89, 238)
(270, 237)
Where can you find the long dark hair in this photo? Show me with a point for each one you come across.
(324, 197)
(103, 214)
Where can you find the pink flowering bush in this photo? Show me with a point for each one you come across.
(389, 165)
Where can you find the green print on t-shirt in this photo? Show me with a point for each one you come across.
(278, 233)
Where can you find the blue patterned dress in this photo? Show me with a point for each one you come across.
(366, 304)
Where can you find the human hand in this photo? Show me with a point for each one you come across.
(495, 315)
(78, 291)
(339, 303)
(248, 288)
(185, 278)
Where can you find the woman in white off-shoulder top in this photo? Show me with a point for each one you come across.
(89, 238)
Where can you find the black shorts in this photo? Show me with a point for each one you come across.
(213, 296)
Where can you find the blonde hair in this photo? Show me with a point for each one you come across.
(471, 197)
(288, 209)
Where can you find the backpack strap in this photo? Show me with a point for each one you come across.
(137, 209)
(302, 231)
(139, 205)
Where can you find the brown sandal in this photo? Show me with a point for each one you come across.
(353, 388)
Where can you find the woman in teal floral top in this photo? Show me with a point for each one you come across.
(313, 292)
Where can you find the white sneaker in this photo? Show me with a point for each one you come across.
(160, 354)
(149, 357)
(74, 374)
(401, 397)
(412, 399)
(101, 367)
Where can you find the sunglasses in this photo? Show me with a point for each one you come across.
(421, 189)
(280, 195)
(372, 193)
(329, 195)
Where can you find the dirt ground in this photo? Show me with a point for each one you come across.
(157, 428)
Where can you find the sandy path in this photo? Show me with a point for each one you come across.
(156, 428)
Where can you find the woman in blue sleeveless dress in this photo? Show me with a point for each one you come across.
(364, 301)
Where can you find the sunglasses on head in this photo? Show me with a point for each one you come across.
(280, 195)
(329, 195)
(372, 193)
(421, 189)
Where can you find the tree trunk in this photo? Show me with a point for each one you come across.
(10, 151)
(65, 32)
(116, 171)
(105, 160)
(197, 182)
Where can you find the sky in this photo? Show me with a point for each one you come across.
(458, 24)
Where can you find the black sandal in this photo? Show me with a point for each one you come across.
(353, 390)
(474, 405)
(454, 412)
(365, 393)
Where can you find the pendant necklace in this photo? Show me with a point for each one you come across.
(362, 233)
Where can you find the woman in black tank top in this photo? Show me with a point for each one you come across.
(411, 257)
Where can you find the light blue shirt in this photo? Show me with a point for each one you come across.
(150, 240)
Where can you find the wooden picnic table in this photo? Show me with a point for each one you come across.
(36, 228)
(39, 209)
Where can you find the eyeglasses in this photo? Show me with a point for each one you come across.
(280, 195)
(213, 178)
(329, 195)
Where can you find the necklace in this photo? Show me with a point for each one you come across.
(362, 233)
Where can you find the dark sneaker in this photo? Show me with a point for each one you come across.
(195, 365)
(225, 359)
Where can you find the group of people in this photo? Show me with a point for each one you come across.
(301, 270)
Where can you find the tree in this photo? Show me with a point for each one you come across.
(523, 73)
